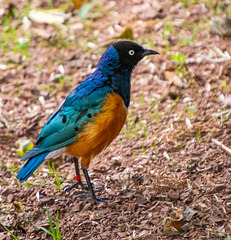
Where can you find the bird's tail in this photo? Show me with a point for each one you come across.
(31, 165)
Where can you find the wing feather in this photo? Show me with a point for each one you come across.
(65, 123)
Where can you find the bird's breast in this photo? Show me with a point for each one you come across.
(99, 133)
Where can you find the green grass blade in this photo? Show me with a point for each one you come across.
(46, 231)
(50, 223)
(15, 237)
(58, 234)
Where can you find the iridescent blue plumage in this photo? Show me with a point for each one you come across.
(62, 128)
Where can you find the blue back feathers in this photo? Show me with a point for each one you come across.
(109, 61)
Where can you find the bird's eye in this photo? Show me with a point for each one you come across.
(131, 52)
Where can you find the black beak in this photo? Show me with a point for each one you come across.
(149, 52)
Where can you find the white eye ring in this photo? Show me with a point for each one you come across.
(131, 52)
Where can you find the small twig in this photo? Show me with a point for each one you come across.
(222, 146)
(153, 207)
(189, 185)
(221, 113)
(4, 121)
(215, 60)
(223, 56)
(204, 169)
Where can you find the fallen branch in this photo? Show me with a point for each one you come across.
(222, 146)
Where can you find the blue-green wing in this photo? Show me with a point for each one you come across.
(64, 124)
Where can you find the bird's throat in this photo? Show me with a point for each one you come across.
(121, 84)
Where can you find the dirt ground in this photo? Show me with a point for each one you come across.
(166, 176)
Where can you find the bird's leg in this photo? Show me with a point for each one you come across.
(89, 184)
(77, 178)
(90, 187)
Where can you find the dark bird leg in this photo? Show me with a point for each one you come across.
(89, 184)
(90, 187)
(77, 178)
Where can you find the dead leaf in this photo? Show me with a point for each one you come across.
(188, 213)
(49, 17)
(18, 207)
(180, 225)
(79, 3)
(127, 34)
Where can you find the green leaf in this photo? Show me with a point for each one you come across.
(179, 59)
(24, 145)
(84, 10)
(51, 168)
(57, 180)
(20, 152)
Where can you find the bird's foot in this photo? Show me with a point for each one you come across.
(77, 185)
(84, 186)
(88, 195)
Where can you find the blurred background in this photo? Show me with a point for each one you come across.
(169, 171)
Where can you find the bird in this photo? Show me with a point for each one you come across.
(91, 116)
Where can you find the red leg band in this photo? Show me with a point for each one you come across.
(77, 177)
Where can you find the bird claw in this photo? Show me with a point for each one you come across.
(102, 200)
(97, 200)
(98, 188)
(83, 186)
(76, 185)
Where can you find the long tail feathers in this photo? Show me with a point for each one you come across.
(31, 165)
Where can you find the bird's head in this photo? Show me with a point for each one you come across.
(123, 55)
(131, 53)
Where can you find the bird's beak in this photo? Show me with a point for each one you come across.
(149, 52)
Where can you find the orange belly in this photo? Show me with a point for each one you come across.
(99, 133)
